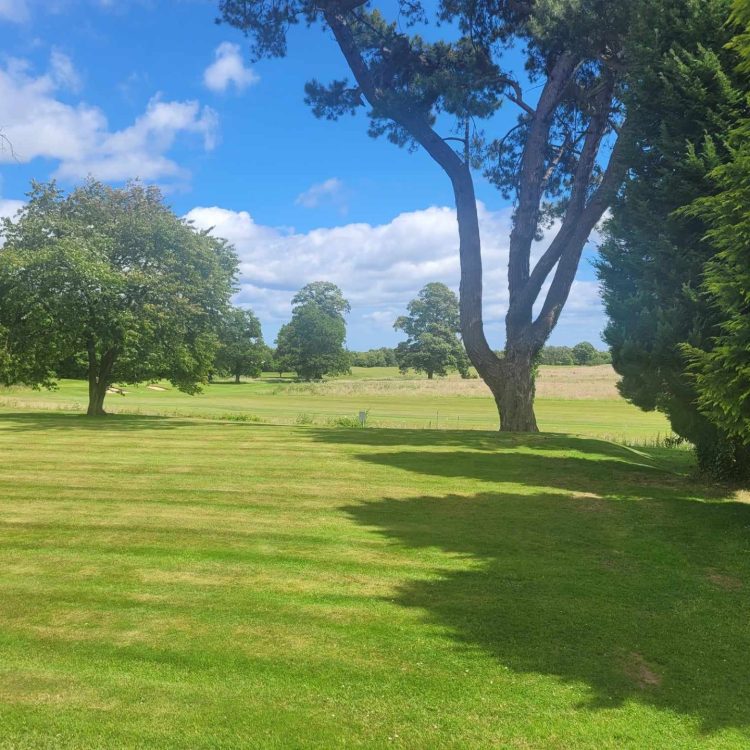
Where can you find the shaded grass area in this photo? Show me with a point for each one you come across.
(179, 584)
(579, 400)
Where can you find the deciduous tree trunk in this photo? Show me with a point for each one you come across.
(97, 393)
(237, 378)
(100, 373)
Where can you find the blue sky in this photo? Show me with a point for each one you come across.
(154, 89)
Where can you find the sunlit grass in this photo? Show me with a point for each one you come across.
(169, 583)
(580, 400)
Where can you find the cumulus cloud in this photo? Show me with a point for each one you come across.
(379, 267)
(330, 191)
(39, 124)
(15, 11)
(228, 69)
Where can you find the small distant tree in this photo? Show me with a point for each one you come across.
(277, 362)
(241, 349)
(312, 343)
(432, 325)
(113, 280)
(585, 353)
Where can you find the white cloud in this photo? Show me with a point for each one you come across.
(228, 69)
(329, 191)
(9, 207)
(63, 72)
(379, 268)
(38, 124)
(138, 150)
(15, 11)
(8, 210)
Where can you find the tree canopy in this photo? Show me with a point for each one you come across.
(312, 343)
(722, 369)
(113, 279)
(324, 295)
(432, 325)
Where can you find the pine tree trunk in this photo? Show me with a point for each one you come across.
(514, 395)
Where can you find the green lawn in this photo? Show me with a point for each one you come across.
(168, 583)
(572, 400)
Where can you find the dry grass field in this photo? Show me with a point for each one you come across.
(574, 383)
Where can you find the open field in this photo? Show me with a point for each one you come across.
(176, 583)
(391, 400)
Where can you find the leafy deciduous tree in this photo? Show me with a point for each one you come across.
(312, 343)
(241, 349)
(584, 353)
(432, 327)
(114, 279)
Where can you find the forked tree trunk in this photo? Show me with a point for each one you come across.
(511, 378)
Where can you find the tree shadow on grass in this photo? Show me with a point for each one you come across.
(597, 570)
(61, 420)
(482, 440)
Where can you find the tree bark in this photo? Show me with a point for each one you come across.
(96, 400)
(100, 373)
(237, 378)
(429, 374)
(514, 394)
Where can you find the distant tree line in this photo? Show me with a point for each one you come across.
(383, 356)
(584, 354)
